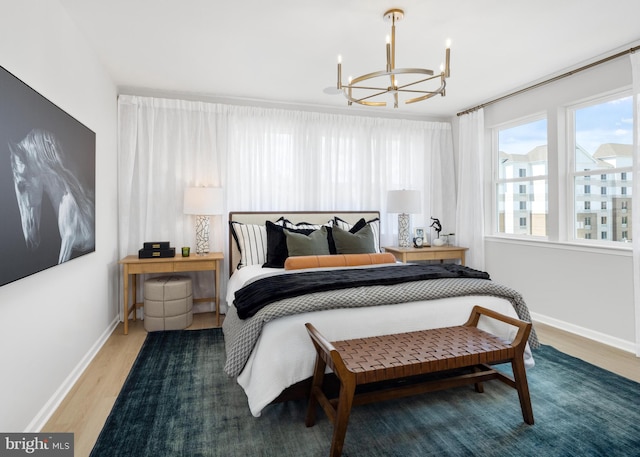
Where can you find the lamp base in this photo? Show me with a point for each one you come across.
(202, 234)
(404, 240)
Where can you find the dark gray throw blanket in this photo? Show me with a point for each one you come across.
(241, 335)
(252, 298)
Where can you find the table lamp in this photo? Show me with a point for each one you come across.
(202, 202)
(403, 202)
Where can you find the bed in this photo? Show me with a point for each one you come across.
(268, 349)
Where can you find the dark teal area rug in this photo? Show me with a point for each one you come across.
(177, 401)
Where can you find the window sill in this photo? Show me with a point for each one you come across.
(625, 249)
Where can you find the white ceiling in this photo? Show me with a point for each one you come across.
(285, 50)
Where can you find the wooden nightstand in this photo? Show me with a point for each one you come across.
(441, 253)
(133, 266)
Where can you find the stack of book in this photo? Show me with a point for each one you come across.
(158, 249)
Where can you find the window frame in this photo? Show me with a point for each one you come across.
(528, 181)
(595, 174)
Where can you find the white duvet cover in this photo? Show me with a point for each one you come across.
(284, 354)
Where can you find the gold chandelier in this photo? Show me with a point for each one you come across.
(412, 81)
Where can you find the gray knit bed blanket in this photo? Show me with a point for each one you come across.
(241, 335)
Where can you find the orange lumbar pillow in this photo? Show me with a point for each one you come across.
(340, 260)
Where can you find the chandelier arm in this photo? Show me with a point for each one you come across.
(361, 101)
(385, 89)
(420, 81)
(410, 91)
(396, 71)
(425, 97)
(370, 96)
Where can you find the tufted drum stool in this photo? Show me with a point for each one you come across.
(168, 303)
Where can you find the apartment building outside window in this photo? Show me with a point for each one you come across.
(521, 178)
(601, 133)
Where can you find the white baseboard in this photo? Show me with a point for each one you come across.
(628, 346)
(52, 404)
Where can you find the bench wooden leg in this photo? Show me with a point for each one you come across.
(522, 386)
(318, 378)
(343, 411)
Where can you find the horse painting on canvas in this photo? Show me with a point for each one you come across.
(39, 169)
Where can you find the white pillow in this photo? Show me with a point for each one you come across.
(251, 240)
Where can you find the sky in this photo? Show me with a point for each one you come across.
(609, 122)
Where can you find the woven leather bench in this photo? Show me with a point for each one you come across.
(463, 353)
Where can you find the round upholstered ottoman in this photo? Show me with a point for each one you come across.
(168, 303)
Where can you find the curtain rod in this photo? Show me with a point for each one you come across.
(555, 78)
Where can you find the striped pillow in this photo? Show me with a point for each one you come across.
(251, 240)
(305, 225)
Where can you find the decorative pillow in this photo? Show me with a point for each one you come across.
(361, 242)
(315, 243)
(346, 260)
(277, 251)
(251, 240)
(374, 223)
(305, 225)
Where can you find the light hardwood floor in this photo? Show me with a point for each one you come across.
(86, 407)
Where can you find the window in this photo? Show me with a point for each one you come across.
(602, 134)
(591, 174)
(521, 177)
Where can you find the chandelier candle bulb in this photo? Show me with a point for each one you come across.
(447, 72)
(388, 56)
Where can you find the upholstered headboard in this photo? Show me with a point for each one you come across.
(259, 218)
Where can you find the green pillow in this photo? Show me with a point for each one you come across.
(315, 243)
(361, 242)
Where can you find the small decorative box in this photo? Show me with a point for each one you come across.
(159, 253)
(156, 245)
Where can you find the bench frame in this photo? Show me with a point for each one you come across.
(340, 356)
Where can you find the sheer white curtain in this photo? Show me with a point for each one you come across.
(271, 159)
(470, 207)
(635, 210)
(292, 160)
(165, 146)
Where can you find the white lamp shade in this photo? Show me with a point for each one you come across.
(203, 201)
(404, 202)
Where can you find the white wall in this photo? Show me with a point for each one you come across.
(585, 290)
(52, 321)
